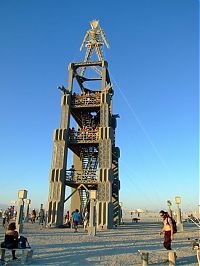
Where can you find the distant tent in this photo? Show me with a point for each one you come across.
(136, 211)
(140, 210)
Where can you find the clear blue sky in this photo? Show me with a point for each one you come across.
(153, 63)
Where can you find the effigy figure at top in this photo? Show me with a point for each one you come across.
(94, 39)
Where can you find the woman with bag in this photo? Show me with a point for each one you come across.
(11, 239)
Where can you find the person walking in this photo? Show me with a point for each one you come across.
(167, 229)
(76, 219)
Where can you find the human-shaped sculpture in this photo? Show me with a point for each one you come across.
(94, 39)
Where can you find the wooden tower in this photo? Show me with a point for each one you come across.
(87, 128)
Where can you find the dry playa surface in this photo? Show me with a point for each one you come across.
(118, 246)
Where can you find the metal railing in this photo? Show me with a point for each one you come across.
(84, 136)
(85, 176)
(86, 100)
(194, 220)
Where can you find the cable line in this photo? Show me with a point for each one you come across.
(142, 127)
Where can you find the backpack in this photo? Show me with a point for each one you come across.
(173, 224)
(23, 242)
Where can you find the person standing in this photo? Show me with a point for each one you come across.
(4, 219)
(72, 172)
(167, 229)
(33, 216)
(41, 216)
(67, 219)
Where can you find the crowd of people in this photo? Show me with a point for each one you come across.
(11, 239)
(40, 216)
(84, 133)
(73, 220)
(8, 214)
(86, 97)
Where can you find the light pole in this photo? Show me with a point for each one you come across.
(178, 214)
(92, 219)
(120, 213)
(22, 194)
(28, 202)
(169, 203)
(198, 212)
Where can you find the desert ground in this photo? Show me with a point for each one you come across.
(117, 246)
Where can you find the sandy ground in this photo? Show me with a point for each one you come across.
(117, 246)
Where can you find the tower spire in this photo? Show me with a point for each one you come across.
(94, 39)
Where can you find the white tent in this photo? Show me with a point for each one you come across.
(137, 211)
